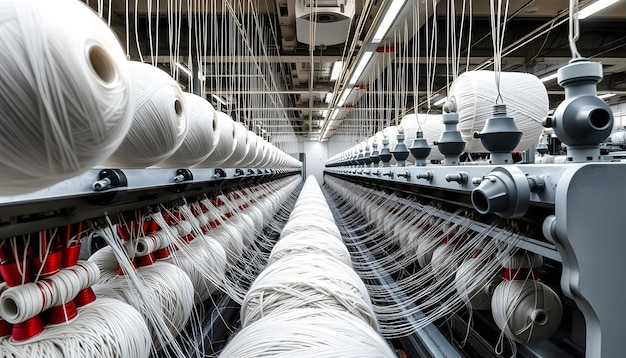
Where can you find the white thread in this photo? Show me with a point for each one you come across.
(159, 122)
(241, 147)
(201, 138)
(65, 93)
(306, 242)
(525, 97)
(474, 287)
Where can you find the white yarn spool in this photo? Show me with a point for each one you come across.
(201, 138)
(311, 226)
(526, 311)
(619, 138)
(225, 147)
(241, 147)
(168, 288)
(258, 159)
(104, 328)
(231, 239)
(442, 262)
(308, 333)
(106, 262)
(66, 93)
(252, 150)
(307, 281)
(307, 242)
(159, 122)
(431, 126)
(474, 287)
(425, 249)
(475, 94)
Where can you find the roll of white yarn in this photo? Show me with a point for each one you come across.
(201, 138)
(311, 226)
(526, 311)
(443, 264)
(308, 333)
(169, 289)
(242, 146)
(106, 262)
(225, 147)
(159, 122)
(231, 239)
(425, 249)
(306, 242)
(431, 126)
(104, 328)
(309, 280)
(258, 159)
(619, 137)
(475, 94)
(66, 93)
(252, 150)
(473, 285)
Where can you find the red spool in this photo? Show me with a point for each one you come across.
(63, 313)
(205, 229)
(10, 271)
(162, 254)
(70, 256)
(27, 329)
(50, 267)
(188, 238)
(146, 260)
(5, 328)
(85, 297)
(123, 232)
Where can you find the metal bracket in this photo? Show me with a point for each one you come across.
(109, 179)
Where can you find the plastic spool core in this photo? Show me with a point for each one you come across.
(141, 247)
(599, 118)
(10, 307)
(214, 124)
(102, 64)
(539, 317)
(178, 107)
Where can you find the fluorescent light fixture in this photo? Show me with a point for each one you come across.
(361, 66)
(334, 114)
(183, 68)
(595, 7)
(219, 99)
(336, 71)
(388, 20)
(344, 97)
(330, 123)
(329, 97)
(325, 113)
(440, 102)
(549, 77)
(606, 95)
(201, 76)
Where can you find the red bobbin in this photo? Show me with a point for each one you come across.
(70, 256)
(62, 313)
(146, 260)
(85, 297)
(12, 271)
(50, 266)
(5, 328)
(27, 329)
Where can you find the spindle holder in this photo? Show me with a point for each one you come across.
(420, 150)
(451, 143)
(385, 154)
(500, 136)
(582, 120)
(375, 155)
(400, 152)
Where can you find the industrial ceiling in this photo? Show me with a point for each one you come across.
(252, 65)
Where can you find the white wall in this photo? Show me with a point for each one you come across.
(316, 155)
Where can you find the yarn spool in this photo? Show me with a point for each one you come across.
(226, 143)
(431, 126)
(328, 284)
(169, 290)
(231, 239)
(106, 262)
(307, 242)
(201, 138)
(307, 333)
(242, 147)
(425, 249)
(66, 102)
(619, 137)
(525, 97)
(474, 286)
(443, 262)
(526, 311)
(105, 328)
(159, 123)
(252, 150)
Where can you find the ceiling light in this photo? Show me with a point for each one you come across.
(219, 99)
(328, 98)
(344, 97)
(388, 20)
(549, 77)
(440, 101)
(595, 7)
(606, 95)
(325, 113)
(183, 68)
(335, 114)
(336, 71)
(361, 66)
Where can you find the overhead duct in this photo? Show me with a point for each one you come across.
(323, 22)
